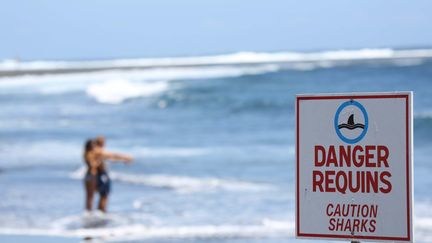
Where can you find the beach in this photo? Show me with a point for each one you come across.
(212, 138)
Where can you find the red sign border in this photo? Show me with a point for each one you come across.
(408, 172)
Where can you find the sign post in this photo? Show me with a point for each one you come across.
(354, 166)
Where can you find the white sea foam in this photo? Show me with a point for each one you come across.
(89, 219)
(112, 84)
(122, 228)
(115, 86)
(185, 184)
(226, 59)
(127, 231)
(181, 184)
(140, 231)
(189, 184)
(117, 90)
(155, 74)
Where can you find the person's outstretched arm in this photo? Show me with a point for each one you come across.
(116, 157)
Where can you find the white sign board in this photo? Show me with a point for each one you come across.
(354, 166)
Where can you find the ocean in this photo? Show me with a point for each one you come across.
(212, 138)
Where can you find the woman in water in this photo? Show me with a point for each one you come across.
(96, 178)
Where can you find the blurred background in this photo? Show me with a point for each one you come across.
(201, 93)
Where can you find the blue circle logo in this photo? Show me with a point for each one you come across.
(347, 129)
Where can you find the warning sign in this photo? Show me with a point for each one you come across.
(354, 166)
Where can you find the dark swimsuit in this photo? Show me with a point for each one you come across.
(104, 183)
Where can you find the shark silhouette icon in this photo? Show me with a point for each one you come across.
(351, 125)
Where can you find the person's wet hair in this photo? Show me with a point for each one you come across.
(89, 145)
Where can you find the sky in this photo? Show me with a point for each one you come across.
(104, 29)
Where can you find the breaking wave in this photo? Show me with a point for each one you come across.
(225, 59)
(114, 81)
(134, 231)
(181, 184)
(118, 90)
(140, 231)
(116, 86)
